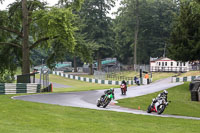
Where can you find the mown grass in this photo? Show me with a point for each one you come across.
(22, 117)
(181, 102)
(28, 117)
(190, 73)
(118, 76)
(161, 75)
(155, 75)
(76, 85)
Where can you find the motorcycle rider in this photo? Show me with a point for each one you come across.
(108, 92)
(136, 80)
(160, 96)
(124, 82)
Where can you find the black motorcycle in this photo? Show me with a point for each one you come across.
(104, 100)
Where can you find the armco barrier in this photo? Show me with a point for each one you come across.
(14, 88)
(98, 81)
(183, 79)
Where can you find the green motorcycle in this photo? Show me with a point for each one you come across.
(104, 100)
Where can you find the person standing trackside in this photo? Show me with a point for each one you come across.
(147, 77)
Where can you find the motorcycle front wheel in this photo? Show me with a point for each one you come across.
(106, 103)
(161, 109)
(149, 109)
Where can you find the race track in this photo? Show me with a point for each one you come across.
(88, 99)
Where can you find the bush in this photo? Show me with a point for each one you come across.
(7, 77)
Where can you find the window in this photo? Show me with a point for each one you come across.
(177, 63)
(183, 63)
(171, 63)
(165, 63)
(159, 63)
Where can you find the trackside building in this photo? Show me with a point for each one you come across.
(165, 64)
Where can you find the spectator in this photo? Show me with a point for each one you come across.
(147, 77)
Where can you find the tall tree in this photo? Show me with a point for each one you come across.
(185, 37)
(155, 18)
(25, 43)
(98, 26)
(136, 31)
(29, 24)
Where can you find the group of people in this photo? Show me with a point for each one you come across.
(136, 79)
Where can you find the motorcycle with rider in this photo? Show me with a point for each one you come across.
(106, 98)
(123, 87)
(159, 103)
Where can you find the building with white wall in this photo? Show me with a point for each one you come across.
(165, 64)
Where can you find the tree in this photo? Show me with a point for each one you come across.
(185, 37)
(29, 25)
(98, 26)
(155, 18)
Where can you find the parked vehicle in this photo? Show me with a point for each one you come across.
(158, 106)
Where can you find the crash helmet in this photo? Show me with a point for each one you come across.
(112, 89)
(165, 92)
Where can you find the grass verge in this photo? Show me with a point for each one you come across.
(76, 85)
(22, 117)
(181, 102)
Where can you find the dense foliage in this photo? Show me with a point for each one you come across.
(154, 30)
(28, 25)
(98, 27)
(82, 29)
(185, 37)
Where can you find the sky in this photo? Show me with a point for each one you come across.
(51, 3)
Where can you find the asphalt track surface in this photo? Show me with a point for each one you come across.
(88, 99)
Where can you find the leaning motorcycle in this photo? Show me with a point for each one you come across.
(123, 89)
(159, 106)
(104, 100)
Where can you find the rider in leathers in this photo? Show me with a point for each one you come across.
(160, 96)
(124, 82)
(110, 91)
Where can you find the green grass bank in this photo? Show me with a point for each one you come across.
(179, 96)
(28, 117)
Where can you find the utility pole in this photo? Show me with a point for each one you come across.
(41, 71)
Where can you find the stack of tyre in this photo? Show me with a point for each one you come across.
(195, 89)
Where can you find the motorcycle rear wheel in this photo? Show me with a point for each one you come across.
(123, 91)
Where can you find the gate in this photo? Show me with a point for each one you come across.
(44, 81)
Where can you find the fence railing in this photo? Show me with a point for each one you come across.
(168, 69)
(14, 88)
(118, 78)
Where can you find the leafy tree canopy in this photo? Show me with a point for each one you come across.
(49, 28)
(185, 37)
